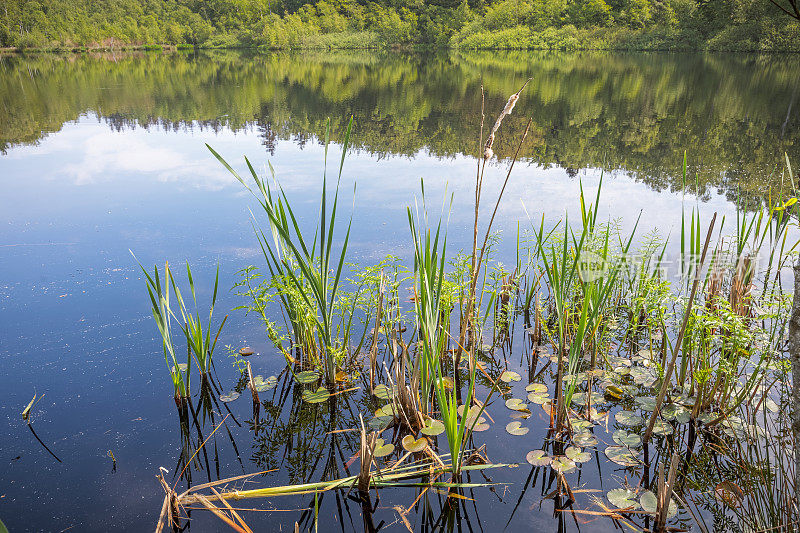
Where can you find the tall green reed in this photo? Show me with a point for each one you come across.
(432, 311)
(312, 269)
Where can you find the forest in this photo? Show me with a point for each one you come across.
(680, 25)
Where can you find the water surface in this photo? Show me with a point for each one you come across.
(106, 154)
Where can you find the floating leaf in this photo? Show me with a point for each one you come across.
(579, 398)
(246, 351)
(622, 455)
(580, 424)
(562, 464)
(676, 412)
(509, 375)
(623, 498)
(383, 392)
(646, 403)
(515, 404)
(628, 418)
(584, 439)
(730, 493)
(432, 427)
(229, 397)
(317, 396)
(379, 423)
(306, 376)
(662, 428)
(480, 426)
(341, 376)
(624, 438)
(515, 428)
(612, 391)
(265, 385)
(577, 455)
(386, 410)
(521, 414)
(181, 366)
(539, 388)
(538, 458)
(649, 504)
(381, 449)
(536, 397)
(414, 445)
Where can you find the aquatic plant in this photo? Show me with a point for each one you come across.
(311, 270)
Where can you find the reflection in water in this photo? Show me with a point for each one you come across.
(736, 115)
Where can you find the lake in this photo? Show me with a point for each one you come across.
(104, 155)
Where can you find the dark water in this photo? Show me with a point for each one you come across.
(102, 155)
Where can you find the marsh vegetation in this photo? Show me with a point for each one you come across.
(646, 393)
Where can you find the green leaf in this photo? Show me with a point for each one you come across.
(383, 392)
(628, 418)
(577, 455)
(515, 404)
(317, 396)
(515, 428)
(622, 456)
(563, 464)
(509, 375)
(414, 445)
(229, 397)
(306, 376)
(624, 438)
(649, 503)
(381, 449)
(623, 498)
(538, 458)
(432, 428)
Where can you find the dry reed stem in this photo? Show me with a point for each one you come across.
(671, 366)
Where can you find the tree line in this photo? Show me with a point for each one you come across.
(468, 24)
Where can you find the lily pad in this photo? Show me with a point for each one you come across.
(623, 498)
(521, 414)
(509, 375)
(539, 388)
(577, 455)
(306, 376)
(580, 424)
(383, 392)
(317, 396)
(625, 438)
(662, 428)
(622, 455)
(538, 398)
(515, 428)
(515, 404)
(263, 385)
(229, 397)
(646, 403)
(628, 418)
(676, 412)
(584, 439)
(181, 366)
(579, 398)
(480, 426)
(410, 444)
(649, 504)
(432, 427)
(381, 449)
(562, 464)
(538, 458)
(386, 410)
(379, 423)
(613, 392)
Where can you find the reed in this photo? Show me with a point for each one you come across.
(311, 270)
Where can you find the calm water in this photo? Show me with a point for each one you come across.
(102, 155)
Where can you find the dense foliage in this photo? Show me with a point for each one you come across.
(547, 24)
